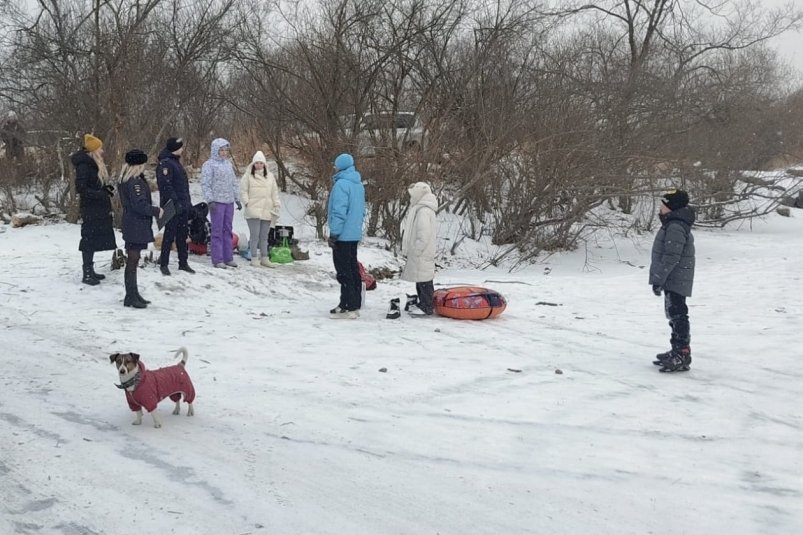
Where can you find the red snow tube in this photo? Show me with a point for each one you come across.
(201, 248)
(198, 248)
(469, 303)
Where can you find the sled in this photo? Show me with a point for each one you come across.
(468, 303)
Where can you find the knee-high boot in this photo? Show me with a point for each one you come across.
(132, 264)
(132, 298)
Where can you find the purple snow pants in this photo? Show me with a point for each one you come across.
(222, 216)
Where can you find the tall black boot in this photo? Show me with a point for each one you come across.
(132, 298)
(132, 264)
(89, 278)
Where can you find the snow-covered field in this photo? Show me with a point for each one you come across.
(298, 432)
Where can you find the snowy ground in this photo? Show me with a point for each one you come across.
(297, 432)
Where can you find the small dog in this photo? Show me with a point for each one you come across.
(146, 388)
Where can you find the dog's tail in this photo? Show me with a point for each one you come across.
(184, 355)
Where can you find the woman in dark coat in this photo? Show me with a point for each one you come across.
(97, 231)
(138, 214)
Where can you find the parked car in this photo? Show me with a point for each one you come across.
(384, 131)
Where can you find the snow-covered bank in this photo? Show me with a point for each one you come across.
(297, 432)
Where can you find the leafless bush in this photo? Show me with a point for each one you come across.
(533, 118)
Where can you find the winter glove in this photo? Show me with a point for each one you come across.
(108, 188)
(332, 241)
(239, 205)
(656, 290)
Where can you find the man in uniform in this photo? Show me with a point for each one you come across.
(173, 185)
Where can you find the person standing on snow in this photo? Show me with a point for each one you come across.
(346, 212)
(418, 245)
(12, 134)
(260, 195)
(138, 214)
(221, 191)
(94, 193)
(672, 271)
(174, 185)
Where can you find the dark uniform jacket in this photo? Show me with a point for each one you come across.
(173, 183)
(138, 210)
(672, 266)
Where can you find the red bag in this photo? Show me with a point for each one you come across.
(367, 278)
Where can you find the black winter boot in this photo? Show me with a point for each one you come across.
(132, 298)
(411, 301)
(95, 274)
(661, 357)
(394, 312)
(679, 361)
(89, 277)
(142, 298)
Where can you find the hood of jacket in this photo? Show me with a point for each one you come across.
(259, 156)
(81, 156)
(429, 200)
(349, 174)
(421, 193)
(685, 214)
(218, 144)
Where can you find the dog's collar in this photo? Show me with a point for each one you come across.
(131, 382)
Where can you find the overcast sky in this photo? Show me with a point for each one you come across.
(790, 45)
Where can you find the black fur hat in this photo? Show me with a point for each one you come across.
(675, 199)
(135, 157)
(174, 143)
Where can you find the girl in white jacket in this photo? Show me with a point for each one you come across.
(418, 245)
(260, 195)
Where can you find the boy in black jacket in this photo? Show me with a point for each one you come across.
(672, 271)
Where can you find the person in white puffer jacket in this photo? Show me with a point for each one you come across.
(260, 196)
(418, 245)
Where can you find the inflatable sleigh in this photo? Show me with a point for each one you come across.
(468, 303)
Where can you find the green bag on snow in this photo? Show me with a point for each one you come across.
(281, 254)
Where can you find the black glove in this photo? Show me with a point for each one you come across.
(656, 290)
(108, 188)
(331, 241)
(239, 205)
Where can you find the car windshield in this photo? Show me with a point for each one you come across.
(405, 120)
